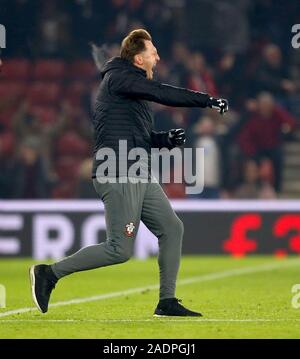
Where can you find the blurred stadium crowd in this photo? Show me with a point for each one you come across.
(237, 49)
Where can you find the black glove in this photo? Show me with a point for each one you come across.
(176, 137)
(220, 104)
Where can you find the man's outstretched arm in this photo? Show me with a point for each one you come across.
(151, 90)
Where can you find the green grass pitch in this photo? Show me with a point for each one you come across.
(239, 298)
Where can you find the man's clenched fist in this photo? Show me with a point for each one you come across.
(219, 104)
(177, 137)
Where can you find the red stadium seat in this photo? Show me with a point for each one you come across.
(175, 190)
(44, 93)
(74, 92)
(70, 144)
(11, 94)
(65, 190)
(46, 114)
(84, 70)
(77, 114)
(16, 70)
(49, 70)
(7, 143)
(11, 90)
(67, 168)
(6, 118)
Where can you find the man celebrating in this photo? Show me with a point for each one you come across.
(122, 113)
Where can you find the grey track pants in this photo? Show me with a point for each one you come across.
(125, 205)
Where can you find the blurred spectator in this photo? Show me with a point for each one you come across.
(54, 38)
(229, 78)
(207, 139)
(262, 134)
(200, 77)
(252, 187)
(20, 18)
(25, 123)
(231, 25)
(158, 18)
(30, 178)
(85, 186)
(178, 64)
(7, 143)
(272, 73)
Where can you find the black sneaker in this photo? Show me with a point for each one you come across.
(172, 307)
(42, 281)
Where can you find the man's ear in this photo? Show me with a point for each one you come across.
(138, 59)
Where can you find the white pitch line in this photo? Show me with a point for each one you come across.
(202, 278)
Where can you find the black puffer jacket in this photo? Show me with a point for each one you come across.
(123, 113)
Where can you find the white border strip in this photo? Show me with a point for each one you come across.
(188, 205)
(202, 278)
(154, 320)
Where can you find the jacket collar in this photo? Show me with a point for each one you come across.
(117, 63)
